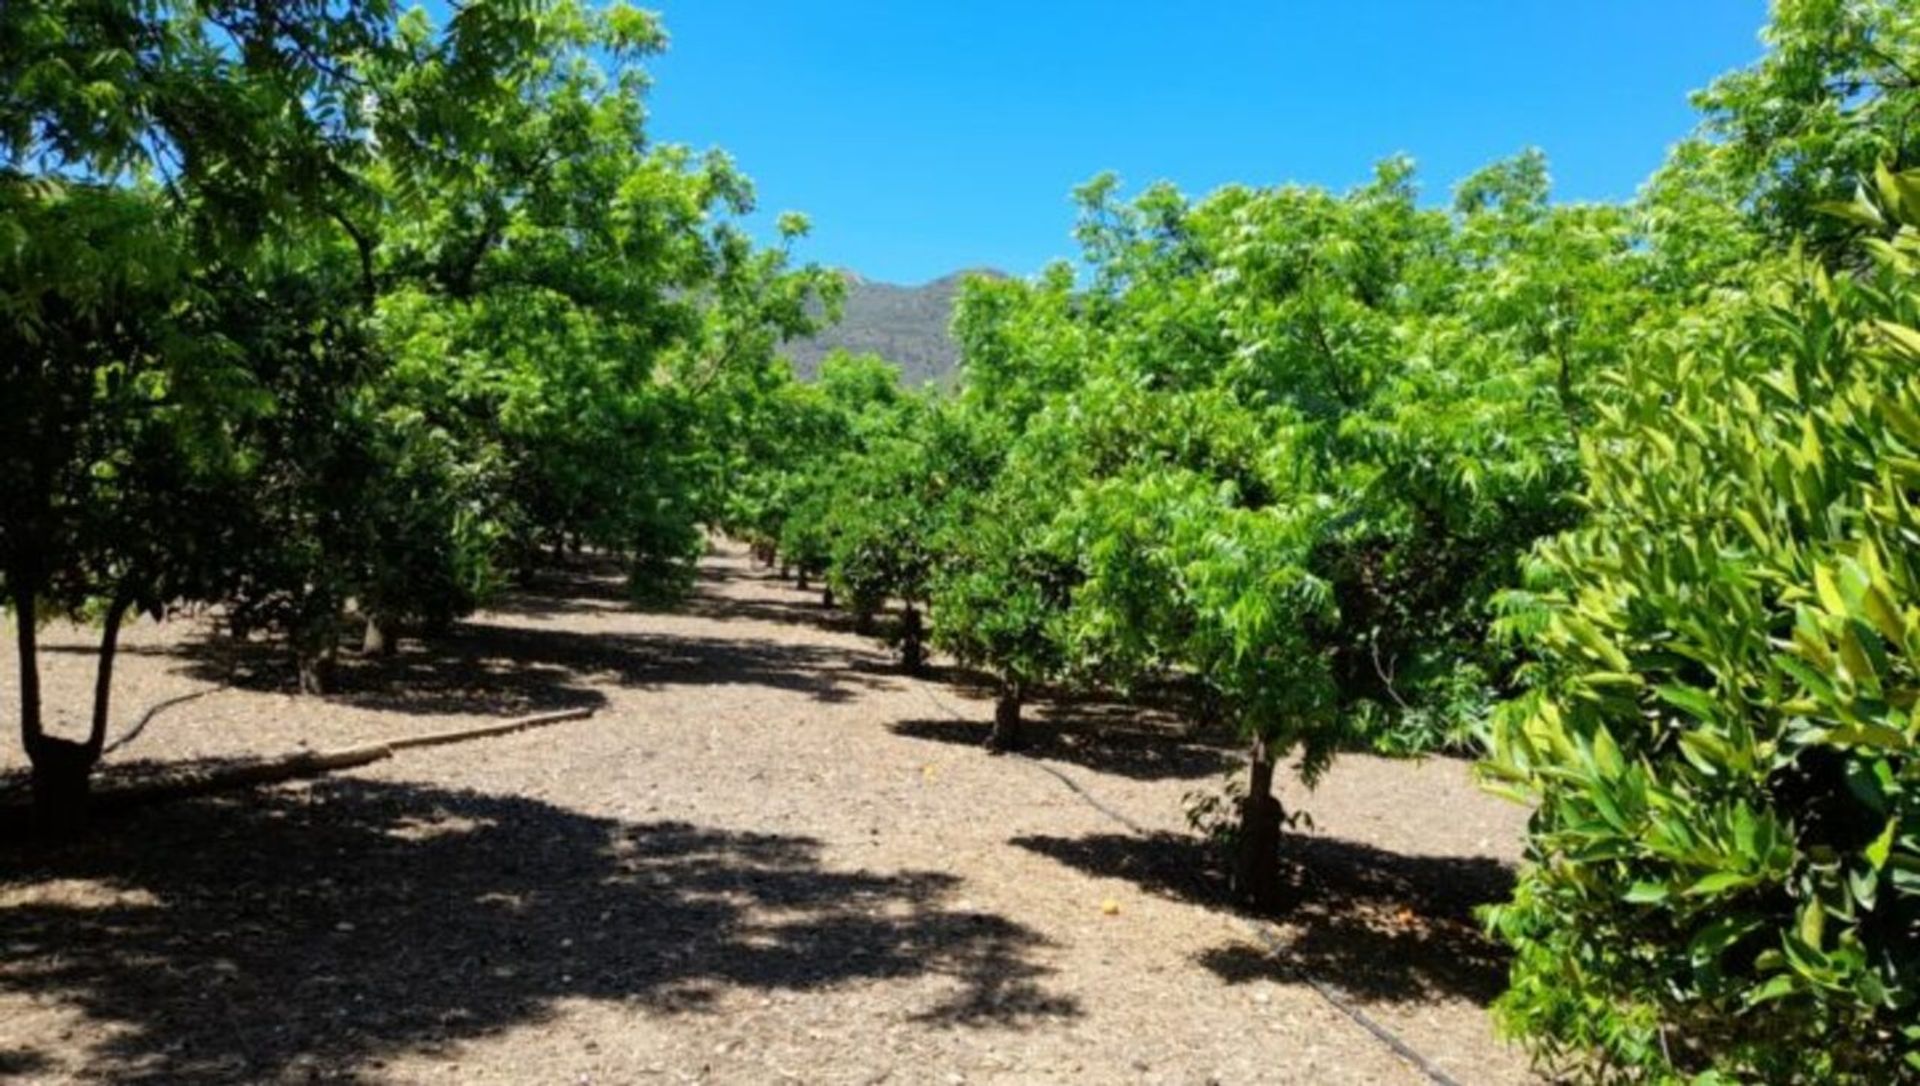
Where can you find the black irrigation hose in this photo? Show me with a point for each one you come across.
(154, 710)
(1335, 998)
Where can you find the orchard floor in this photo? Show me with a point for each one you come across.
(769, 856)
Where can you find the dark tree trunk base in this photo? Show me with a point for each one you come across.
(62, 786)
(1256, 876)
(913, 648)
(1006, 724)
(826, 597)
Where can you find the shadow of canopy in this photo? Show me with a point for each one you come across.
(316, 929)
(1135, 751)
(1378, 924)
(508, 670)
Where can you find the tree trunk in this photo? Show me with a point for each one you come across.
(1257, 865)
(1006, 720)
(801, 583)
(826, 597)
(26, 637)
(314, 667)
(913, 649)
(863, 622)
(62, 769)
(103, 674)
(315, 638)
(62, 776)
(378, 639)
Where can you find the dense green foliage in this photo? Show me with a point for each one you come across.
(317, 309)
(1279, 445)
(1295, 449)
(321, 308)
(1726, 852)
(1724, 863)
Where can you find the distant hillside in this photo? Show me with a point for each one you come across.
(905, 325)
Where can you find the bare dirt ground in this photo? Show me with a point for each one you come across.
(768, 857)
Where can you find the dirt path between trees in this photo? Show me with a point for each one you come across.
(768, 857)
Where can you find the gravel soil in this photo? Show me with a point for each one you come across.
(769, 856)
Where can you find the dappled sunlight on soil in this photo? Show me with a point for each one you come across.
(768, 856)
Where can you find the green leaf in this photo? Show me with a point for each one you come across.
(1646, 893)
(1881, 847)
(1721, 882)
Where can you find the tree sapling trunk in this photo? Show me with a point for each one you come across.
(315, 668)
(913, 648)
(1256, 876)
(1006, 719)
(826, 597)
(801, 583)
(314, 643)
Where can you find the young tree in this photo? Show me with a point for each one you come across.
(1001, 587)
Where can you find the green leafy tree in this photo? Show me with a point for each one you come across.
(855, 403)
(306, 303)
(1724, 867)
(1837, 93)
(141, 146)
(1303, 438)
(891, 505)
(1002, 585)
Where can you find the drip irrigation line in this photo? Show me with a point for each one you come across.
(1334, 996)
(155, 710)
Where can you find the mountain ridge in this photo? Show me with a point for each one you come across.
(906, 325)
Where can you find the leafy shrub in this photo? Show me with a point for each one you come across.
(1724, 870)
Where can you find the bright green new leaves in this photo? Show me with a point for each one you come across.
(1834, 97)
(1179, 571)
(1721, 742)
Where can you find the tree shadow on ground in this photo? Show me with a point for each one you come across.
(1380, 925)
(495, 665)
(788, 612)
(317, 929)
(508, 670)
(1125, 741)
(591, 584)
(19, 1062)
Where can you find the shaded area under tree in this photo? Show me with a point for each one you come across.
(320, 928)
(509, 670)
(1380, 925)
(1127, 741)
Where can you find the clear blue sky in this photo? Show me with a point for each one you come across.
(923, 137)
